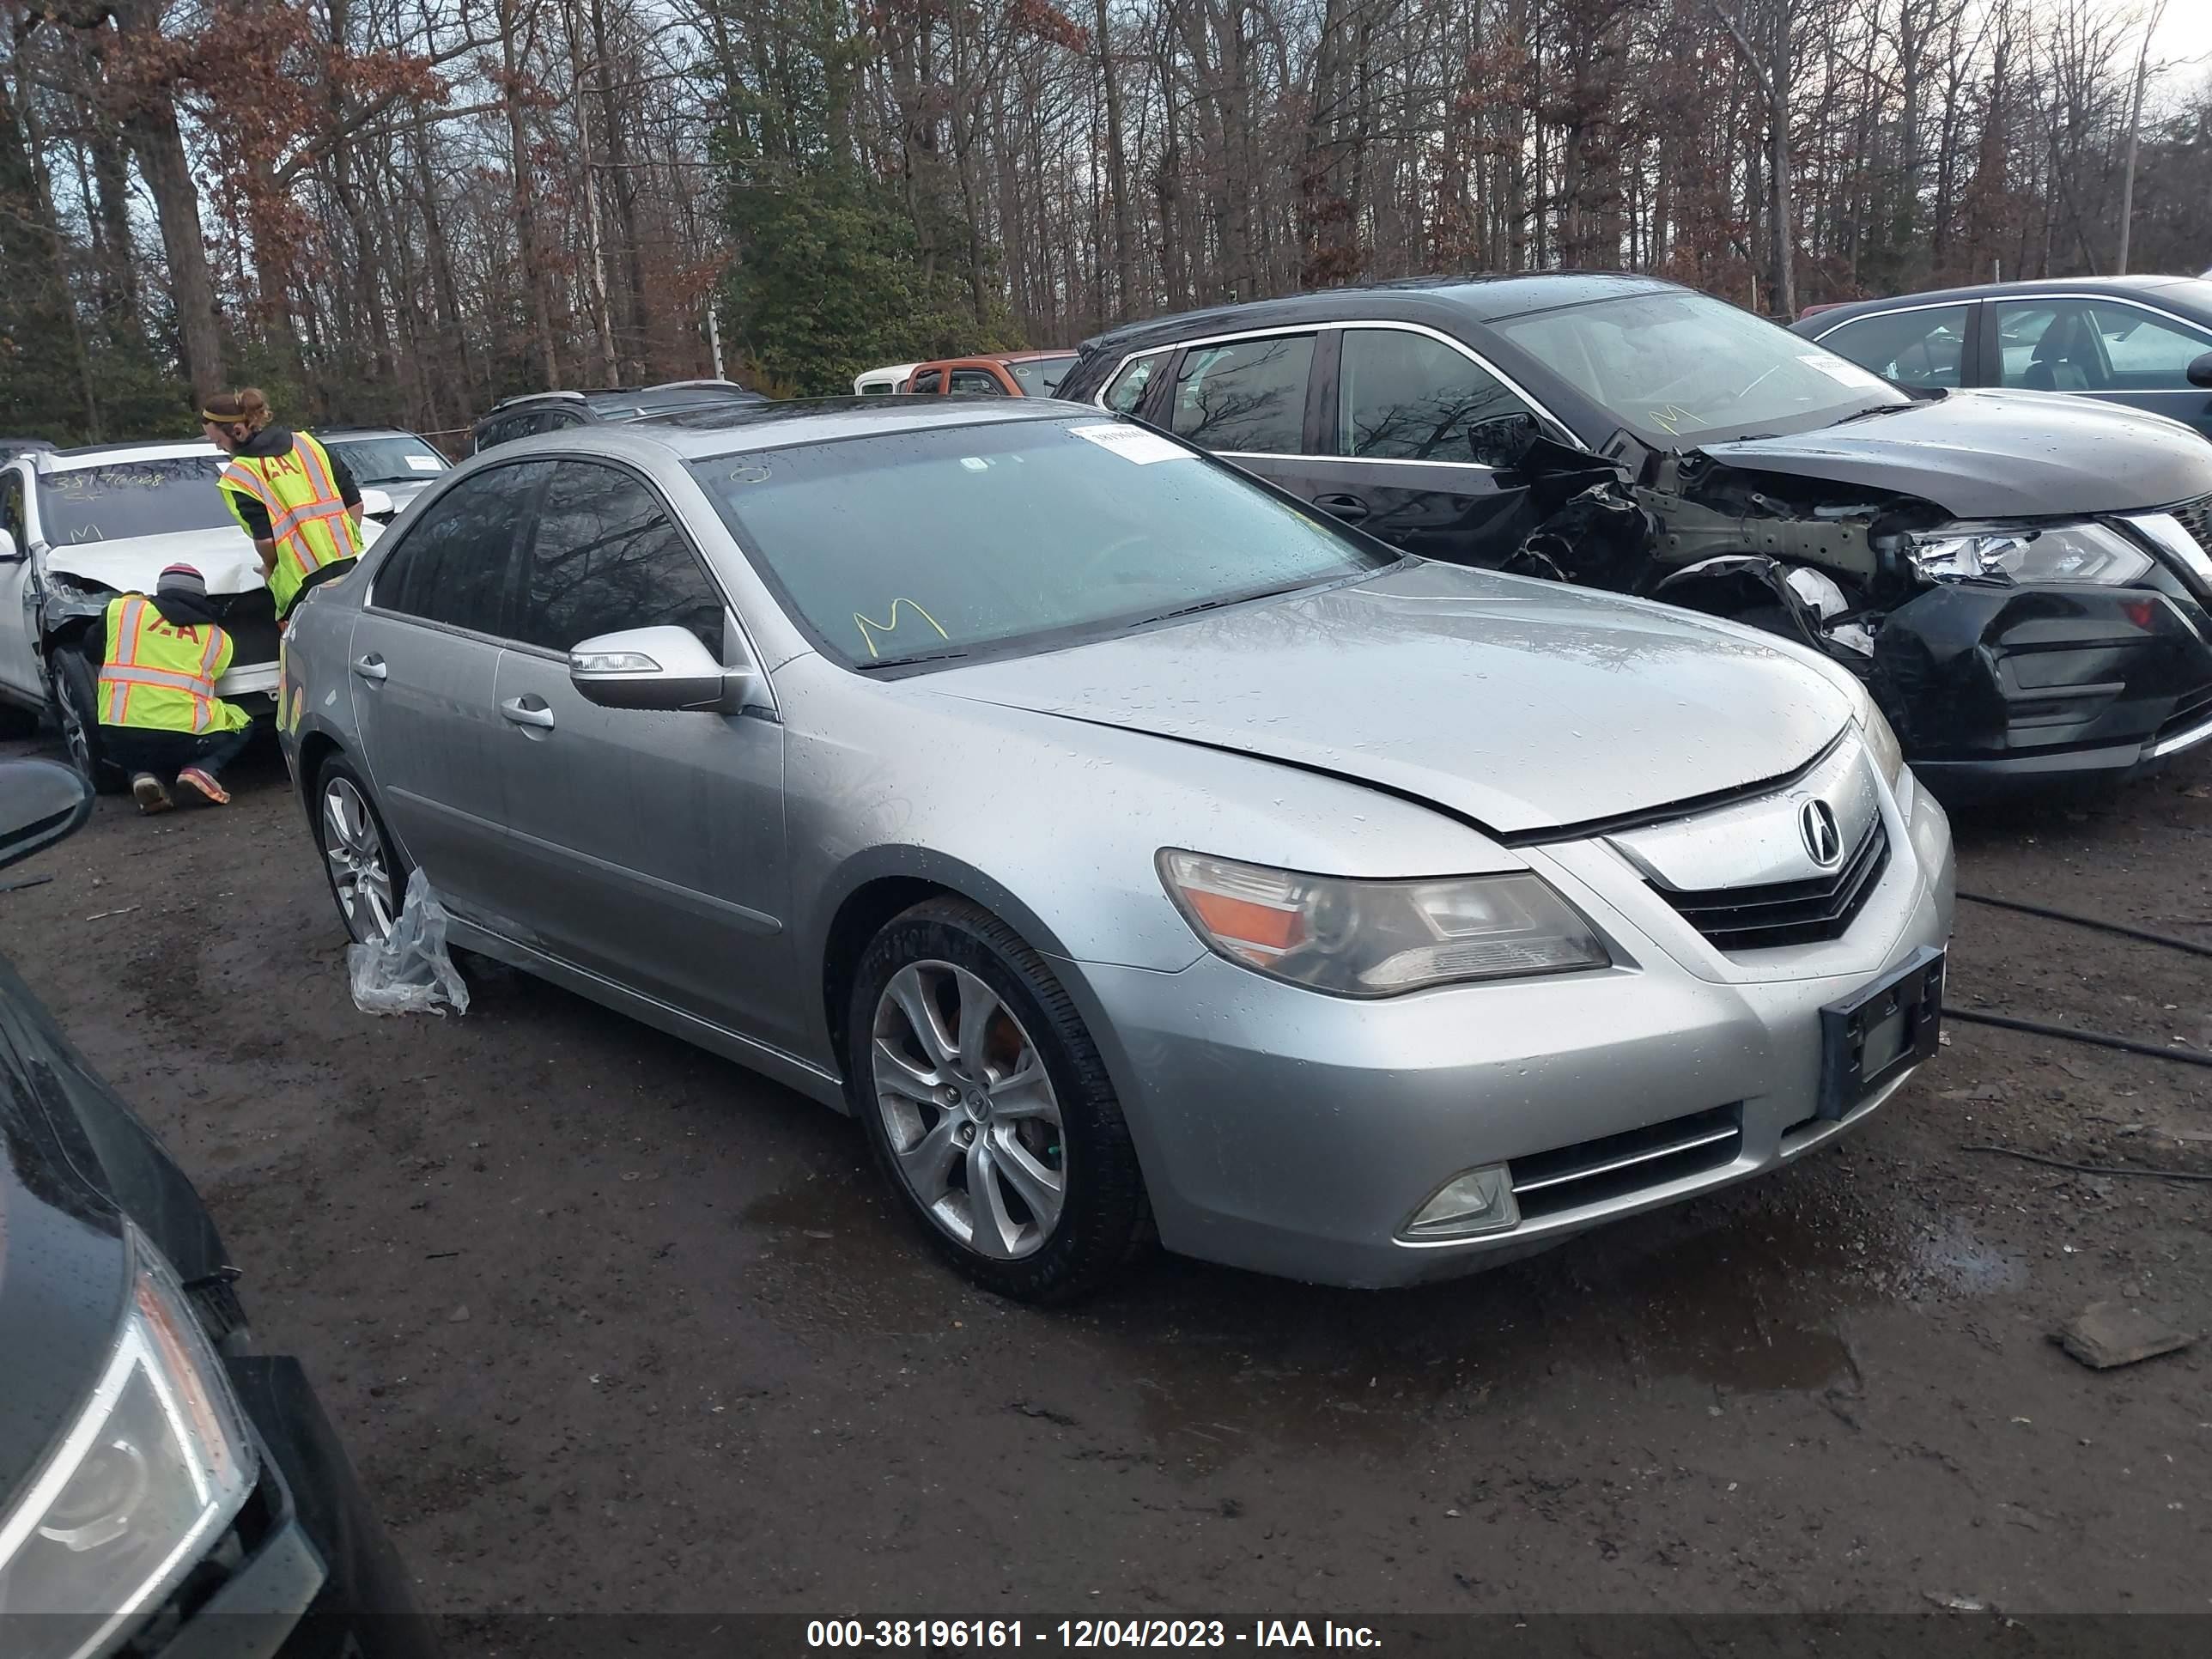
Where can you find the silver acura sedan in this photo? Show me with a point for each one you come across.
(1135, 851)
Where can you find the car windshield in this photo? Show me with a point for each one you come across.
(946, 540)
(1679, 370)
(119, 500)
(1039, 375)
(388, 460)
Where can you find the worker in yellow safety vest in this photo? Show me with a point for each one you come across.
(296, 500)
(159, 715)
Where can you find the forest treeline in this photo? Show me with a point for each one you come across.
(403, 209)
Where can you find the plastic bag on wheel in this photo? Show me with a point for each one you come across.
(410, 973)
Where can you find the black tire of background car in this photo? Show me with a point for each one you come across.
(395, 865)
(77, 700)
(1105, 1220)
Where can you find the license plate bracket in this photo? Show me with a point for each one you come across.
(1880, 1031)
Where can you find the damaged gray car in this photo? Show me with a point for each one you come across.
(2021, 579)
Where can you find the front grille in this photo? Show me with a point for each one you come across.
(1788, 912)
(250, 619)
(2195, 518)
(1614, 1166)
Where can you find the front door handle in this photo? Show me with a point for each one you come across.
(1350, 509)
(371, 667)
(528, 712)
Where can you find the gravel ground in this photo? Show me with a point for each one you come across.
(609, 1325)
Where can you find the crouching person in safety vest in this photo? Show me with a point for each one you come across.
(159, 715)
(296, 500)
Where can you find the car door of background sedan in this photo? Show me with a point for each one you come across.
(2119, 351)
(645, 846)
(1375, 425)
(18, 590)
(422, 667)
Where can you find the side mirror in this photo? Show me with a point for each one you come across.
(8, 552)
(663, 668)
(377, 504)
(1501, 441)
(2199, 372)
(40, 803)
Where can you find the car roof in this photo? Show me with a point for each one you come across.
(88, 455)
(735, 428)
(1483, 297)
(1829, 316)
(345, 432)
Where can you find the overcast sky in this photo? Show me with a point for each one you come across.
(2185, 33)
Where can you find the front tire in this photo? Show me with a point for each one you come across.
(989, 1108)
(76, 711)
(368, 876)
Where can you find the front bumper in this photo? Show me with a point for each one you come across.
(1298, 1135)
(1998, 689)
(310, 1574)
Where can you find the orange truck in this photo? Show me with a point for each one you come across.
(995, 374)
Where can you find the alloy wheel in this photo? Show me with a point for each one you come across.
(973, 1125)
(360, 875)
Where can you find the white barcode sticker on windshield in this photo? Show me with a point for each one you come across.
(426, 463)
(1849, 373)
(1133, 443)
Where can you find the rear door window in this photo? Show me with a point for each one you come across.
(1913, 347)
(607, 557)
(977, 380)
(453, 566)
(1244, 396)
(1406, 397)
(929, 379)
(1126, 389)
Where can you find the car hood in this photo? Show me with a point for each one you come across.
(1999, 454)
(223, 556)
(1520, 705)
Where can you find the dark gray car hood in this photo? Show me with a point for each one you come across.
(2000, 454)
(1522, 705)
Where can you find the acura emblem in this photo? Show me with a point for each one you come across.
(1816, 824)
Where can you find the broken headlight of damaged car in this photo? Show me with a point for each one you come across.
(152, 1469)
(1353, 938)
(2084, 551)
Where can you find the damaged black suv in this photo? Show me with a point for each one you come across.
(2021, 578)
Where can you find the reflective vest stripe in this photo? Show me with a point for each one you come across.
(130, 620)
(308, 534)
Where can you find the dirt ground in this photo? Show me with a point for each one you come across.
(609, 1325)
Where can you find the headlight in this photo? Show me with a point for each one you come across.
(2030, 553)
(1881, 743)
(152, 1469)
(1377, 938)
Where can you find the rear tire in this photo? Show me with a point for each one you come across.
(368, 876)
(76, 711)
(1004, 1096)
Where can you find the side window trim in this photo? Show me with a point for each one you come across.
(1558, 430)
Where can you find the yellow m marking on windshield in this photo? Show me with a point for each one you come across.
(870, 628)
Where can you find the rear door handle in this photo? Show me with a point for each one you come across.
(371, 667)
(530, 713)
(1350, 509)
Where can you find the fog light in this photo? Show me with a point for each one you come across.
(1479, 1201)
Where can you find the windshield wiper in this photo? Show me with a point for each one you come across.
(1875, 409)
(874, 663)
(1216, 603)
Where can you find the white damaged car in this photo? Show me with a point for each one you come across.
(78, 526)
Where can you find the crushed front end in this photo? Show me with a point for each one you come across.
(2007, 653)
